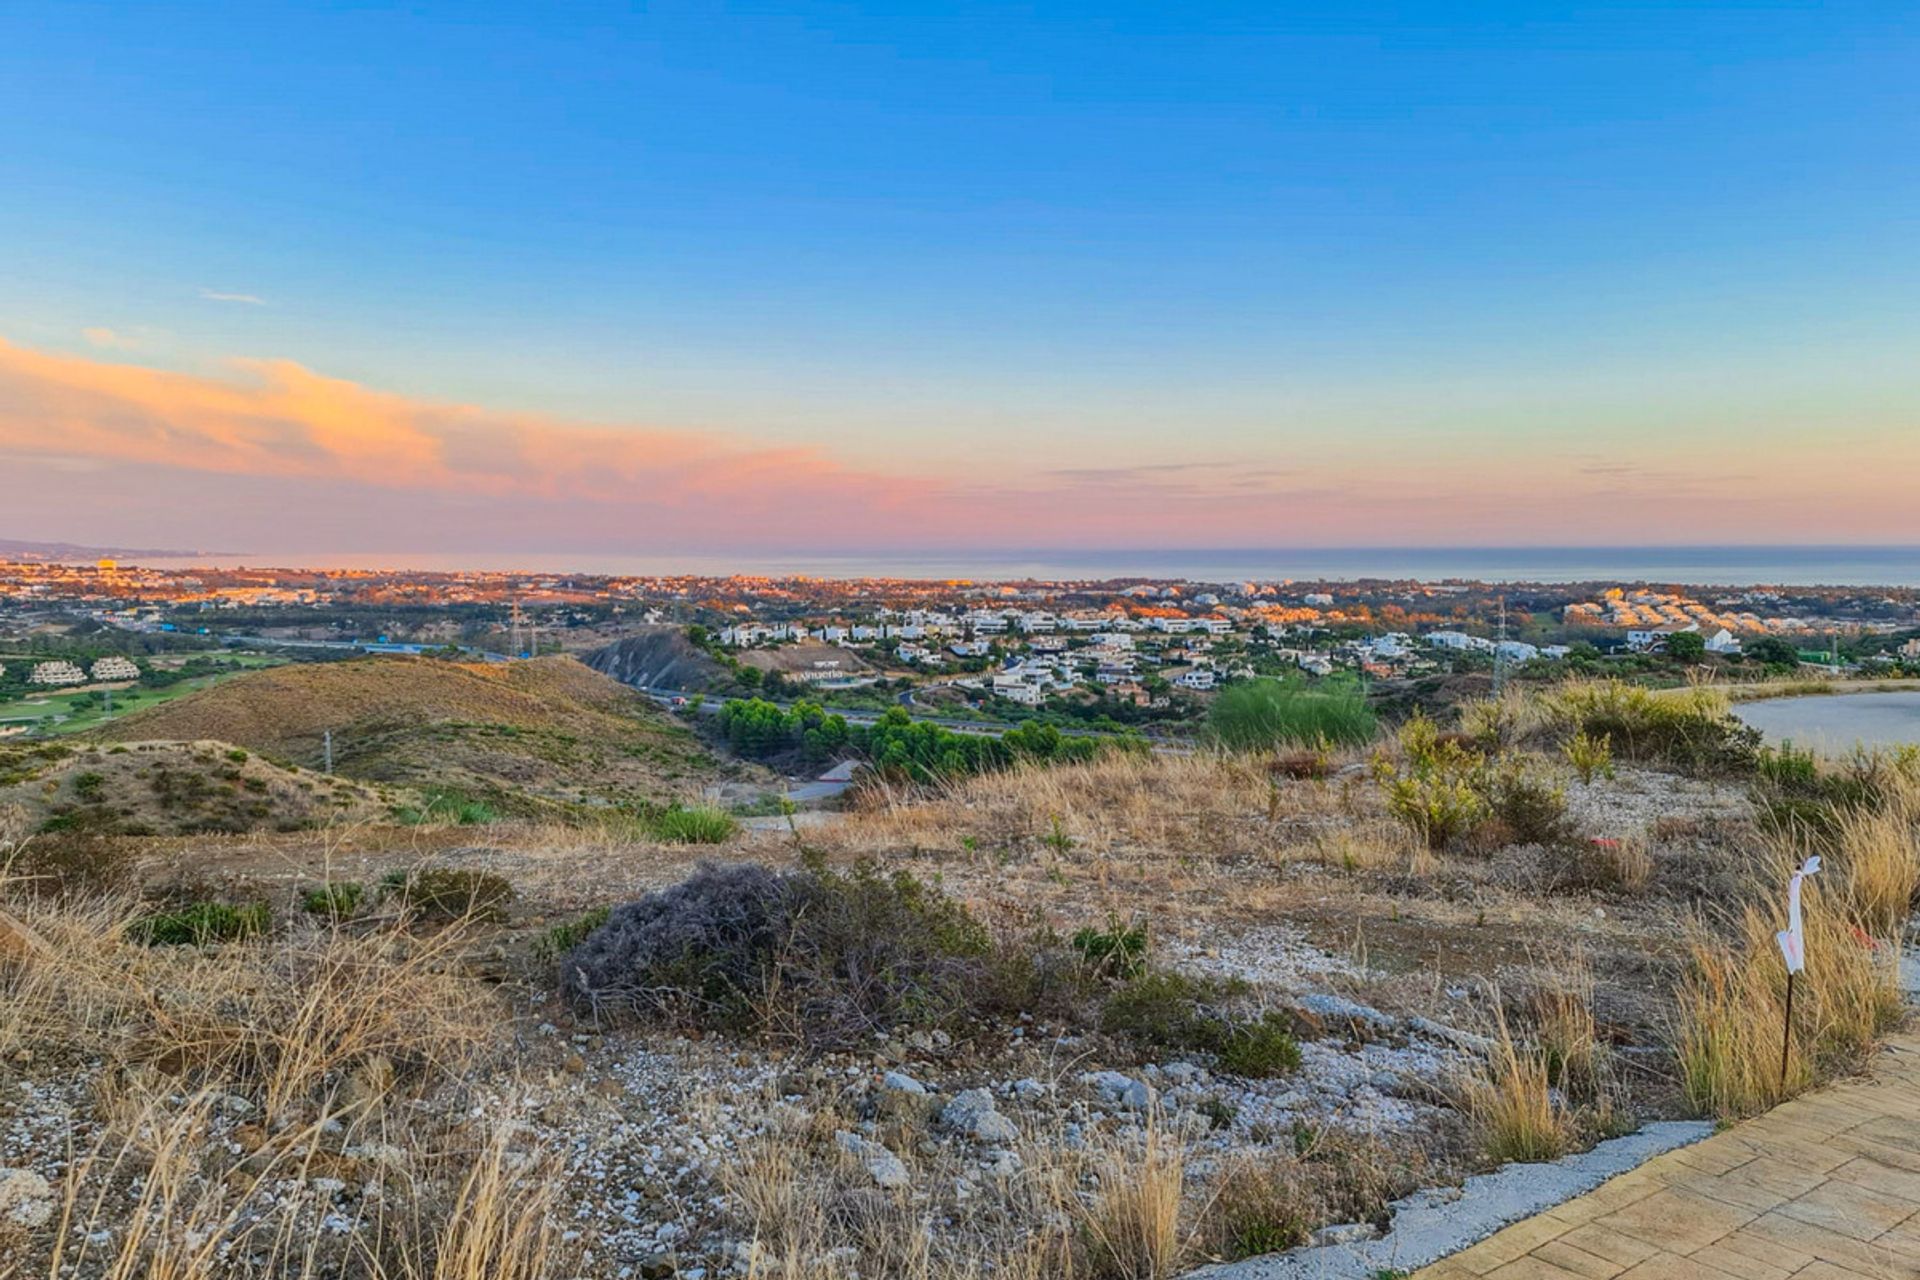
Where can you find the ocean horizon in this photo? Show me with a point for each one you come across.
(1729, 566)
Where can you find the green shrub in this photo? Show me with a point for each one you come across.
(1260, 1049)
(335, 900)
(1439, 807)
(238, 756)
(1590, 757)
(1170, 1010)
(562, 938)
(445, 805)
(1533, 811)
(445, 894)
(1258, 715)
(1117, 951)
(199, 923)
(1690, 729)
(87, 786)
(693, 826)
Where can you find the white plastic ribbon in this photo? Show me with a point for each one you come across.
(1792, 940)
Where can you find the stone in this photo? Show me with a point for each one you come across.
(1124, 1090)
(973, 1113)
(885, 1168)
(901, 1082)
(26, 1200)
(1029, 1090)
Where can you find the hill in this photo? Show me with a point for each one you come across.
(167, 788)
(511, 734)
(661, 657)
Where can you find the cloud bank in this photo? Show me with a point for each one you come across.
(270, 454)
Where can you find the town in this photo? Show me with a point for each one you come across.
(1105, 654)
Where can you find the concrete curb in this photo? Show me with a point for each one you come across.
(1430, 1225)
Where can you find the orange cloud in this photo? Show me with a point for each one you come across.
(270, 450)
(276, 418)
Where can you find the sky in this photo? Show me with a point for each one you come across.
(571, 277)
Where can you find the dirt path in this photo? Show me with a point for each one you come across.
(1826, 1187)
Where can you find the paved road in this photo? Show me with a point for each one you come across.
(1826, 1187)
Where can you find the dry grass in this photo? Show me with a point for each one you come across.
(1132, 1221)
(1876, 861)
(1732, 1008)
(1512, 1106)
(293, 1019)
(224, 1079)
(1564, 1029)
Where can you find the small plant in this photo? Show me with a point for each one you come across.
(1171, 1010)
(1220, 1114)
(238, 756)
(446, 894)
(1260, 1049)
(334, 900)
(1261, 1206)
(87, 786)
(1057, 838)
(562, 938)
(199, 923)
(1534, 811)
(1591, 757)
(1117, 951)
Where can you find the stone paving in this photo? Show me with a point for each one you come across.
(1826, 1187)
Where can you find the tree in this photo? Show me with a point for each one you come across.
(1774, 652)
(1686, 646)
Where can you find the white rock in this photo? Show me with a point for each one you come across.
(901, 1082)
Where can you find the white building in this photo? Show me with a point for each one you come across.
(51, 673)
(1724, 641)
(1197, 678)
(114, 669)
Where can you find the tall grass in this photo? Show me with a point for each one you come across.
(1260, 714)
(1131, 1223)
(1732, 1006)
(1512, 1104)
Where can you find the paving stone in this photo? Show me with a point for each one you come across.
(1676, 1220)
(1850, 1210)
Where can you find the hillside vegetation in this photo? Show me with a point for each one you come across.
(166, 788)
(512, 733)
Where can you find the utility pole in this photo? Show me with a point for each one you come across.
(326, 740)
(1499, 652)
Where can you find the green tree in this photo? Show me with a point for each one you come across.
(1686, 646)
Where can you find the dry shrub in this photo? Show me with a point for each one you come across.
(1611, 864)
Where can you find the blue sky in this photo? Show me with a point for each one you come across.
(926, 240)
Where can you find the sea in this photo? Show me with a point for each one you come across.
(1731, 566)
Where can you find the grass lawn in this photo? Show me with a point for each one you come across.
(54, 713)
